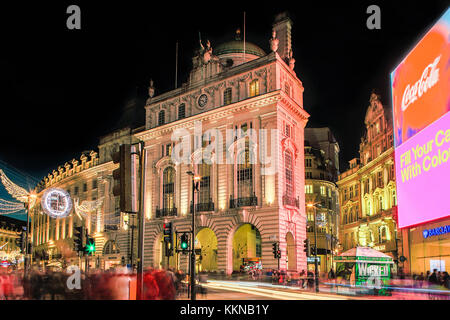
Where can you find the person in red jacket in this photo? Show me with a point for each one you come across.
(151, 289)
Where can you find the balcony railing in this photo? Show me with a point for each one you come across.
(206, 206)
(291, 201)
(242, 202)
(166, 212)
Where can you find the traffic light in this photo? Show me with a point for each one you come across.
(275, 250)
(78, 236)
(20, 242)
(184, 242)
(122, 178)
(90, 245)
(278, 253)
(168, 232)
(169, 249)
(307, 247)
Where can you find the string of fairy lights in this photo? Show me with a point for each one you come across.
(17, 192)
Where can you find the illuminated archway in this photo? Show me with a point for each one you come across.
(206, 240)
(291, 252)
(246, 246)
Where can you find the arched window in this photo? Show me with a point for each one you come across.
(245, 174)
(227, 96)
(368, 209)
(254, 88)
(287, 89)
(161, 117)
(289, 174)
(182, 111)
(168, 188)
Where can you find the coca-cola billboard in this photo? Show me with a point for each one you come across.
(421, 83)
(421, 105)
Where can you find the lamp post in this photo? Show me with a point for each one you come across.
(31, 195)
(316, 270)
(195, 181)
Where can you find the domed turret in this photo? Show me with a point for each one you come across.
(234, 50)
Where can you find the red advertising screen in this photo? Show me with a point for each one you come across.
(421, 105)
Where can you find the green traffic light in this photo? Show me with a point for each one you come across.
(184, 245)
(90, 248)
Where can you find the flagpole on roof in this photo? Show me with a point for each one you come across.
(244, 36)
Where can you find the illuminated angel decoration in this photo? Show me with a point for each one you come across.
(16, 191)
(83, 209)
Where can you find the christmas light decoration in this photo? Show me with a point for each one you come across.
(86, 207)
(8, 207)
(56, 203)
(16, 191)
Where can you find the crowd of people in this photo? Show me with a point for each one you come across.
(117, 284)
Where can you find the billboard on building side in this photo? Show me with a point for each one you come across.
(421, 104)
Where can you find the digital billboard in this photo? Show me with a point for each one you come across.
(421, 104)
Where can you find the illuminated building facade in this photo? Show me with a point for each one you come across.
(242, 207)
(367, 189)
(10, 230)
(321, 172)
(87, 180)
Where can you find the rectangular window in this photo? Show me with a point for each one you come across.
(94, 184)
(351, 192)
(76, 190)
(308, 175)
(308, 188)
(329, 192)
(84, 187)
(308, 163)
(254, 88)
(181, 111)
(227, 96)
(169, 149)
(287, 130)
(323, 190)
(345, 194)
(380, 179)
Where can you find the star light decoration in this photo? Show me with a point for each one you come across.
(16, 192)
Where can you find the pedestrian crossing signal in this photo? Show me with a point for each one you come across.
(184, 242)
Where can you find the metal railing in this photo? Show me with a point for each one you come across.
(242, 202)
(166, 212)
(291, 201)
(205, 206)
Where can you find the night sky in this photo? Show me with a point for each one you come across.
(62, 89)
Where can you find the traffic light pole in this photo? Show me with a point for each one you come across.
(316, 271)
(193, 297)
(140, 258)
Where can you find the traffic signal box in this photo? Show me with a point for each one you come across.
(307, 247)
(20, 242)
(90, 245)
(276, 250)
(122, 177)
(184, 242)
(78, 236)
(168, 238)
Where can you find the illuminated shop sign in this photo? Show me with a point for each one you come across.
(375, 270)
(421, 103)
(436, 231)
(56, 203)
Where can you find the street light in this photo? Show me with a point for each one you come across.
(195, 181)
(316, 271)
(31, 195)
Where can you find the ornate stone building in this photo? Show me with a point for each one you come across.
(321, 172)
(367, 189)
(243, 205)
(89, 183)
(10, 230)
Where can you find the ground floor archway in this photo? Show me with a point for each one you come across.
(291, 252)
(206, 257)
(246, 247)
